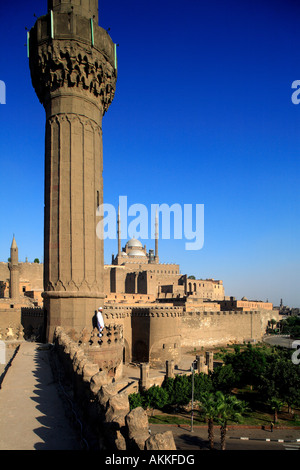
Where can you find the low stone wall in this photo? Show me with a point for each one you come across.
(104, 402)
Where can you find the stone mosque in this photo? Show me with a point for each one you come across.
(155, 311)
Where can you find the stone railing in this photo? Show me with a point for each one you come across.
(104, 401)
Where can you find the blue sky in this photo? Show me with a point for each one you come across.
(202, 115)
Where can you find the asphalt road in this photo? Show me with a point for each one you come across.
(237, 439)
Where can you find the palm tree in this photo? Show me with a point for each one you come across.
(209, 407)
(276, 405)
(228, 408)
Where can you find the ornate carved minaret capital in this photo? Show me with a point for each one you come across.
(74, 71)
(68, 51)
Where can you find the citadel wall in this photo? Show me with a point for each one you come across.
(158, 332)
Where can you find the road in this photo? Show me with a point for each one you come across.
(282, 341)
(237, 439)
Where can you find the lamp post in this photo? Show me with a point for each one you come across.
(192, 415)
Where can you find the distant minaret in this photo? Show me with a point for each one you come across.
(14, 291)
(156, 238)
(119, 232)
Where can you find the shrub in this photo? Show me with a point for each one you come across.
(135, 400)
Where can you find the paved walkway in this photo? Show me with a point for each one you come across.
(32, 414)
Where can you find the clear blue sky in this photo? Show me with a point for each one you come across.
(202, 115)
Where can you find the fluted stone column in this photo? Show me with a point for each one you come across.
(73, 69)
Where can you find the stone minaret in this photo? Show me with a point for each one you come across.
(156, 238)
(73, 69)
(119, 232)
(14, 289)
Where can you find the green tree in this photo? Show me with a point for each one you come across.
(36, 260)
(281, 380)
(136, 400)
(209, 409)
(228, 408)
(156, 397)
(224, 378)
(248, 366)
(276, 405)
(179, 390)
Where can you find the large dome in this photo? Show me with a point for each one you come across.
(134, 243)
(136, 253)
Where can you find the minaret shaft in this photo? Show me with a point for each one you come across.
(14, 288)
(119, 232)
(72, 63)
(156, 238)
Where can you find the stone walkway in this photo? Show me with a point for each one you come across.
(32, 414)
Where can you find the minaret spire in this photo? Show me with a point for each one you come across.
(156, 237)
(119, 232)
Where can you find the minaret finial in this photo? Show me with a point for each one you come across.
(119, 231)
(156, 235)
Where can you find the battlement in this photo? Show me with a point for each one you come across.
(117, 311)
(106, 352)
(221, 312)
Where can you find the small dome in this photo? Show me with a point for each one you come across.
(134, 243)
(136, 253)
(123, 253)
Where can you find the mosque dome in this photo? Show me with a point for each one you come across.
(136, 253)
(134, 243)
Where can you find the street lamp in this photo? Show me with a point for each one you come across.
(192, 415)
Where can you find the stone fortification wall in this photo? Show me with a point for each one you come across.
(220, 328)
(22, 322)
(32, 272)
(10, 324)
(4, 272)
(156, 333)
(34, 323)
(151, 332)
(104, 403)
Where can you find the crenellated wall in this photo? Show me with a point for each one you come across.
(220, 328)
(156, 333)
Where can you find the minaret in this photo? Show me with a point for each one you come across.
(14, 289)
(156, 238)
(73, 69)
(119, 232)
